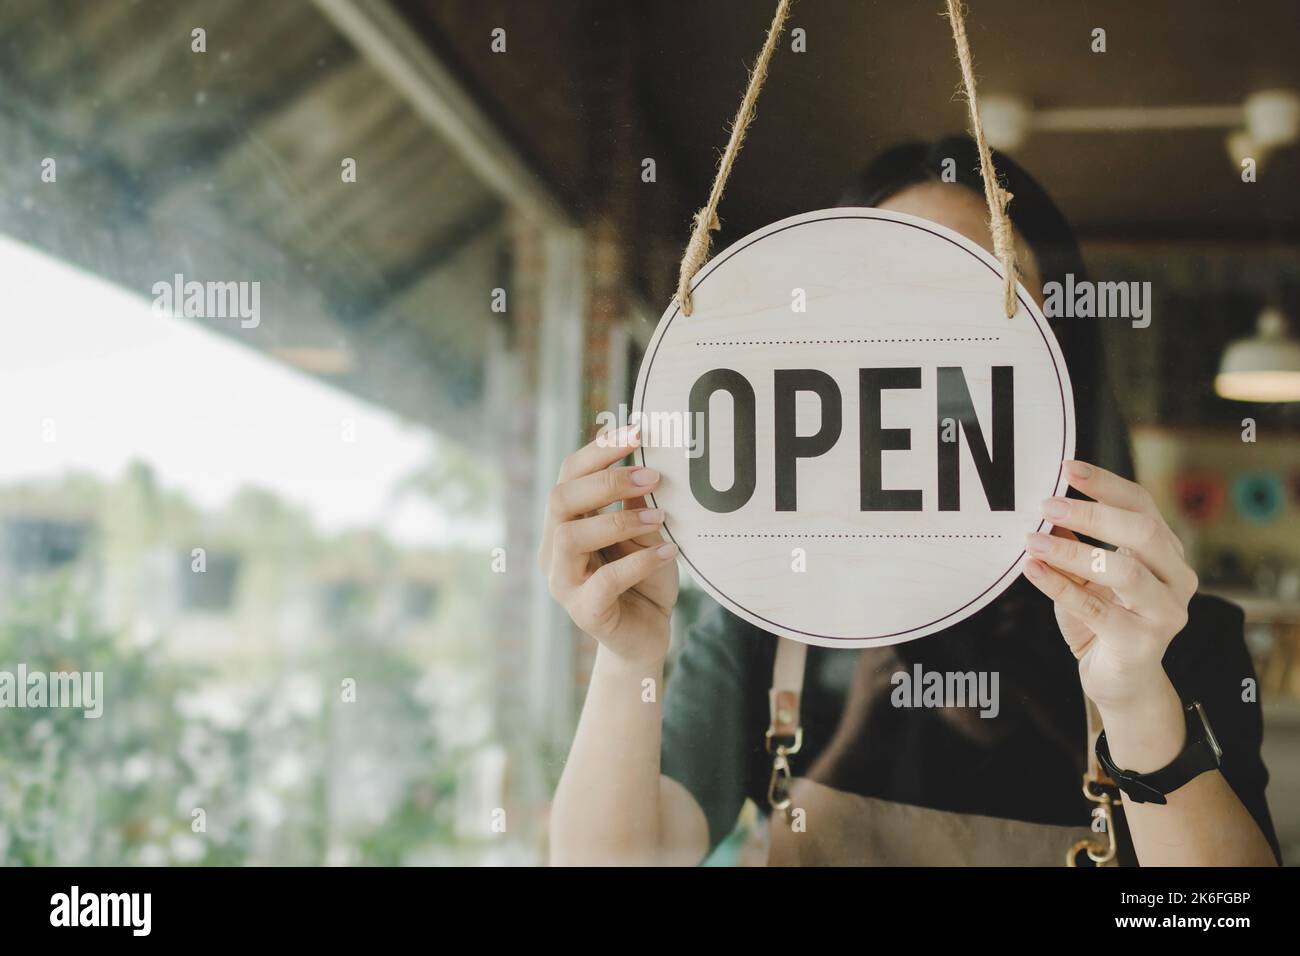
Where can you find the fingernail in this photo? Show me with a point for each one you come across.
(645, 476)
(1056, 508)
(1078, 469)
(1033, 569)
(630, 435)
(1038, 543)
(666, 550)
(651, 515)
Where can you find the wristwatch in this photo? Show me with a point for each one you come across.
(1201, 753)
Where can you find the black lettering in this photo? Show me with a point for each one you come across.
(791, 447)
(996, 470)
(874, 439)
(744, 451)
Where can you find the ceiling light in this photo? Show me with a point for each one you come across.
(1241, 147)
(1263, 368)
(1006, 120)
(1272, 117)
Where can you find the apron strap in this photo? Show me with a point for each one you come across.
(1096, 774)
(787, 688)
(784, 730)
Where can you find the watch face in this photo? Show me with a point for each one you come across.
(1209, 731)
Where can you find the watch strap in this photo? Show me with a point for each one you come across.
(1199, 754)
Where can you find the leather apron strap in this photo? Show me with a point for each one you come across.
(1095, 771)
(787, 686)
(784, 728)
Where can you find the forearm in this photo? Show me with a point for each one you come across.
(607, 806)
(1203, 823)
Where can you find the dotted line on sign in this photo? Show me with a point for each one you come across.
(987, 338)
(705, 534)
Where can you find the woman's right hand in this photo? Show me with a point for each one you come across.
(611, 571)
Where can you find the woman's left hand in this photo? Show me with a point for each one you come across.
(1118, 610)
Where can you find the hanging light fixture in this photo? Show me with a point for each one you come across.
(1263, 368)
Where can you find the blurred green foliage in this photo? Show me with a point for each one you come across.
(255, 740)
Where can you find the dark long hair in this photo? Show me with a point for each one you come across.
(1102, 437)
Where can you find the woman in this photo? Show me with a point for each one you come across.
(651, 785)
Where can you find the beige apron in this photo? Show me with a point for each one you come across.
(814, 825)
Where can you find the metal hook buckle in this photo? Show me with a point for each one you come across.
(781, 748)
(1096, 852)
(780, 777)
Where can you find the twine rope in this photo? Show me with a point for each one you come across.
(1004, 246)
(706, 219)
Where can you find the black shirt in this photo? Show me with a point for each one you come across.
(1026, 763)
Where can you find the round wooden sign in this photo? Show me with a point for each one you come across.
(854, 438)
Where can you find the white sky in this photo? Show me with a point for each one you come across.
(209, 415)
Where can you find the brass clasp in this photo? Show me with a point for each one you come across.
(1098, 853)
(777, 793)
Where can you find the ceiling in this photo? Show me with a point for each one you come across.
(880, 71)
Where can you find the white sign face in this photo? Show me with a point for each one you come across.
(854, 438)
